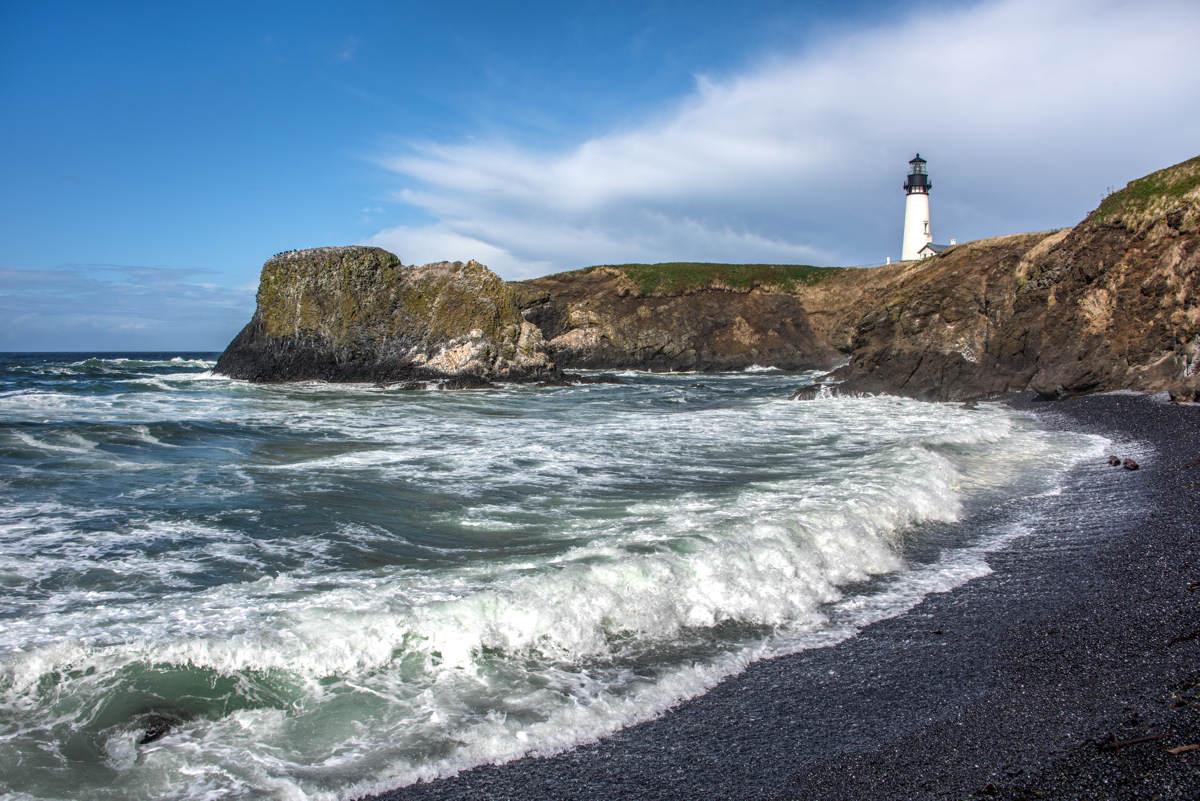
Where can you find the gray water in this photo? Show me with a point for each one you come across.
(326, 590)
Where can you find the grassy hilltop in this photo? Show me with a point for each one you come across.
(1152, 194)
(682, 277)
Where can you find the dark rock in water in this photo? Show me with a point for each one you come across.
(155, 726)
(454, 383)
(357, 314)
(577, 378)
(812, 392)
(1129, 464)
(465, 382)
(573, 379)
(1114, 461)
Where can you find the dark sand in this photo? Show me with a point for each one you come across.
(1014, 686)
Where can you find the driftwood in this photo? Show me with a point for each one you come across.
(1111, 743)
(1183, 749)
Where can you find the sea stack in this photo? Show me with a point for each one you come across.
(358, 314)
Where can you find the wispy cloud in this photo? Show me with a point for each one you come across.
(117, 307)
(348, 49)
(1026, 109)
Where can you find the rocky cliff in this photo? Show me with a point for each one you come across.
(679, 316)
(1109, 304)
(358, 314)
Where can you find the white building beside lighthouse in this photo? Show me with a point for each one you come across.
(918, 231)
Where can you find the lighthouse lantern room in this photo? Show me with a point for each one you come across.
(917, 230)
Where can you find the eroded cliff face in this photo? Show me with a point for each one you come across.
(1109, 304)
(1117, 302)
(358, 314)
(925, 329)
(604, 318)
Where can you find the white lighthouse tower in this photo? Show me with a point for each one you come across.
(917, 230)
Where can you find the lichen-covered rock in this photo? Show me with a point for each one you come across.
(1113, 303)
(677, 317)
(358, 314)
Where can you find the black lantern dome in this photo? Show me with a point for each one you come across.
(918, 178)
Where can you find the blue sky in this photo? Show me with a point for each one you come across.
(155, 154)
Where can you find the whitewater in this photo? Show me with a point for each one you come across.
(320, 591)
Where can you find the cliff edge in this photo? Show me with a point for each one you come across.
(679, 316)
(358, 314)
(1113, 303)
(1109, 304)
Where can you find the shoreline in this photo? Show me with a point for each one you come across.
(1042, 679)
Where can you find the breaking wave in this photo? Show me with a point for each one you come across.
(328, 590)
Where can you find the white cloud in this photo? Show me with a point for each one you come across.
(429, 243)
(1027, 110)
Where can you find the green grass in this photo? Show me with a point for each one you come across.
(677, 277)
(1139, 195)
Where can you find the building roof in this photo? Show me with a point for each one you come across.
(935, 248)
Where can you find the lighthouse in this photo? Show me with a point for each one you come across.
(917, 231)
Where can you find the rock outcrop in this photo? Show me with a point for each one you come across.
(1113, 303)
(1109, 304)
(924, 329)
(678, 317)
(357, 314)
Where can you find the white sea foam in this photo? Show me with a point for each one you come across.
(68, 443)
(123, 361)
(571, 537)
(201, 375)
(143, 433)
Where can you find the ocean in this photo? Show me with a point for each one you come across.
(214, 589)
